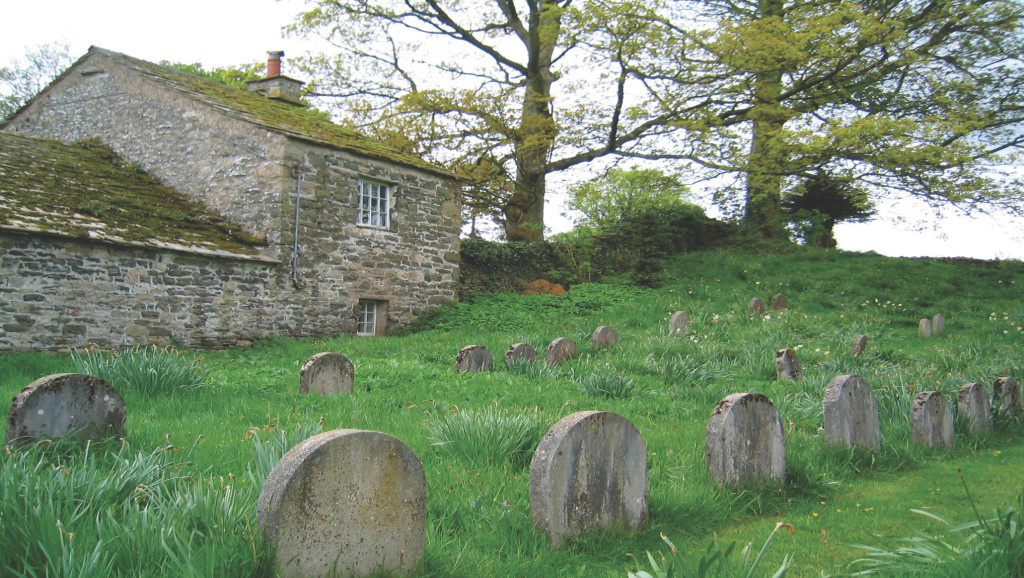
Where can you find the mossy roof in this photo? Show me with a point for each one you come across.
(87, 191)
(289, 119)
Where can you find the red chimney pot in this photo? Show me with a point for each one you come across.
(274, 63)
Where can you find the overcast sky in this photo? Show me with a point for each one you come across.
(228, 32)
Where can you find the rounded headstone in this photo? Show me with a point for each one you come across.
(560, 349)
(938, 324)
(859, 345)
(1006, 396)
(755, 307)
(589, 472)
(604, 336)
(679, 323)
(924, 328)
(851, 413)
(66, 405)
(474, 358)
(972, 403)
(521, 351)
(931, 420)
(326, 373)
(745, 442)
(346, 503)
(787, 365)
(779, 302)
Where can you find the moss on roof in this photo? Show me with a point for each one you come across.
(86, 190)
(289, 119)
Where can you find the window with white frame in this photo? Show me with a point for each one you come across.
(372, 204)
(366, 323)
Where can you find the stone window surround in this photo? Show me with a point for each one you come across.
(386, 193)
(371, 317)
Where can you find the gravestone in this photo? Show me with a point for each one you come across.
(474, 358)
(859, 345)
(327, 374)
(65, 405)
(346, 503)
(561, 349)
(745, 442)
(604, 336)
(787, 365)
(972, 403)
(589, 472)
(938, 324)
(779, 302)
(851, 413)
(520, 351)
(931, 420)
(924, 328)
(756, 307)
(679, 323)
(1006, 396)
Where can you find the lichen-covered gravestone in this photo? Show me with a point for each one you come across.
(679, 323)
(65, 405)
(745, 442)
(931, 420)
(755, 307)
(474, 358)
(1006, 396)
(326, 373)
(346, 503)
(972, 403)
(520, 351)
(924, 328)
(851, 413)
(604, 336)
(561, 349)
(787, 365)
(779, 302)
(589, 472)
(859, 345)
(938, 324)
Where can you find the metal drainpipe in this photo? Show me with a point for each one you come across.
(295, 237)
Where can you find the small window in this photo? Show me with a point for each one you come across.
(372, 204)
(367, 322)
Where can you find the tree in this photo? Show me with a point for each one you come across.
(820, 202)
(505, 92)
(24, 78)
(625, 192)
(230, 75)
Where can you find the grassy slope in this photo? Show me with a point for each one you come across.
(479, 514)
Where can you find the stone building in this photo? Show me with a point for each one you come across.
(196, 213)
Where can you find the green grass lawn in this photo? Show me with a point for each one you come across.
(188, 470)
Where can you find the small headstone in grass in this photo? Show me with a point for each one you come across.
(972, 403)
(560, 349)
(924, 328)
(938, 324)
(679, 323)
(756, 307)
(604, 336)
(346, 503)
(521, 351)
(931, 420)
(859, 345)
(779, 302)
(787, 365)
(1006, 396)
(474, 358)
(70, 405)
(589, 472)
(745, 442)
(326, 373)
(851, 413)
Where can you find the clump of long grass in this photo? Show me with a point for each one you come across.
(144, 370)
(532, 368)
(488, 436)
(716, 561)
(269, 450)
(608, 386)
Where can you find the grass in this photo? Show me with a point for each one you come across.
(201, 453)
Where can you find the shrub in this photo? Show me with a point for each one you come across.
(489, 436)
(144, 370)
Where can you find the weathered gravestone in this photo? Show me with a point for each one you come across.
(65, 405)
(938, 324)
(931, 420)
(779, 302)
(679, 323)
(589, 472)
(474, 358)
(851, 413)
(972, 403)
(755, 307)
(745, 442)
(787, 365)
(604, 336)
(520, 351)
(560, 349)
(859, 345)
(924, 328)
(1006, 396)
(326, 373)
(346, 503)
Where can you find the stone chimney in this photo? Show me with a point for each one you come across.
(274, 84)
